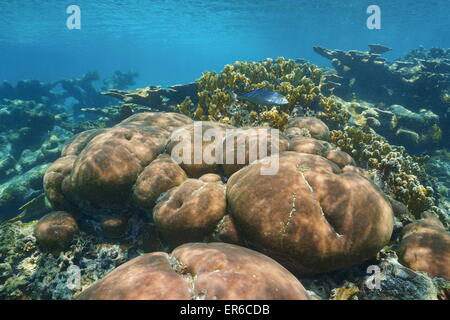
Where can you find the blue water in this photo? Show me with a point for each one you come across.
(174, 41)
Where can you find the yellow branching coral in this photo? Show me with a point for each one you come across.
(186, 106)
(402, 174)
(300, 83)
(333, 112)
(276, 118)
(434, 134)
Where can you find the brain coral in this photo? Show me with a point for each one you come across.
(308, 145)
(98, 169)
(243, 146)
(316, 127)
(198, 271)
(114, 226)
(55, 231)
(181, 145)
(310, 215)
(158, 177)
(339, 157)
(190, 212)
(53, 179)
(425, 246)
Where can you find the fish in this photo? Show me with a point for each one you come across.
(330, 85)
(263, 97)
(32, 210)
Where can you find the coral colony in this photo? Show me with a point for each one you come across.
(161, 195)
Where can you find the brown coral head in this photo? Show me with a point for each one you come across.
(204, 146)
(158, 177)
(425, 246)
(310, 215)
(214, 271)
(243, 146)
(316, 127)
(190, 211)
(55, 231)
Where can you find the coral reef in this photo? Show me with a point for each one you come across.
(82, 89)
(416, 131)
(88, 163)
(344, 199)
(201, 210)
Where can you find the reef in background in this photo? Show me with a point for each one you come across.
(36, 120)
(83, 90)
(419, 83)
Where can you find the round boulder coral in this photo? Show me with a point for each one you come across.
(215, 271)
(316, 127)
(310, 215)
(158, 177)
(115, 226)
(55, 231)
(425, 246)
(245, 145)
(210, 177)
(80, 141)
(190, 212)
(194, 147)
(53, 178)
(339, 157)
(106, 170)
(167, 120)
(107, 162)
(308, 145)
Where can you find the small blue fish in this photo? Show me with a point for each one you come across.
(263, 97)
